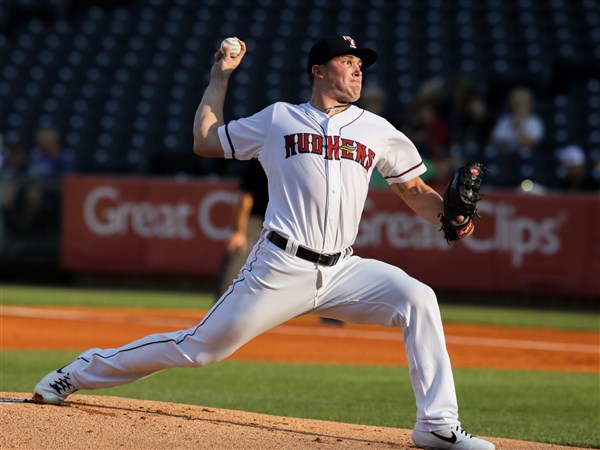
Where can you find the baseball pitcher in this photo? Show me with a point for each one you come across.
(318, 157)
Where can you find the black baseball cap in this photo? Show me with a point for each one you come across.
(330, 47)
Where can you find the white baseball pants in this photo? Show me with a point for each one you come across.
(275, 286)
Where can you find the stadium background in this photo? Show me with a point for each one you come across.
(121, 79)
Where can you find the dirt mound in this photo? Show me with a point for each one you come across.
(92, 422)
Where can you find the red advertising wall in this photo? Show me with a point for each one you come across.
(145, 226)
(522, 243)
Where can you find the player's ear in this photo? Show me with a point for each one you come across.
(316, 71)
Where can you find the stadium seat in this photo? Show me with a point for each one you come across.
(123, 79)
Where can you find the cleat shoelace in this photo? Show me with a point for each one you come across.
(62, 384)
(461, 431)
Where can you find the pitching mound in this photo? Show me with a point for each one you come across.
(92, 422)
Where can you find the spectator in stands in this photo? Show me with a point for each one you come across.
(429, 132)
(47, 160)
(374, 99)
(249, 214)
(578, 178)
(515, 137)
(455, 106)
(477, 127)
(14, 162)
(47, 165)
(14, 167)
(519, 128)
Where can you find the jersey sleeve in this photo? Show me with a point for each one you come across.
(402, 161)
(244, 138)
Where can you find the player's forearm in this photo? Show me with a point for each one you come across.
(209, 116)
(422, 199)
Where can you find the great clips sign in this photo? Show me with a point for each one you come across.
(526, 244)
(145, 226)
(522, 243)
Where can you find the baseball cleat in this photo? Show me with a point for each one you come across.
(453, 438)
(54, 388)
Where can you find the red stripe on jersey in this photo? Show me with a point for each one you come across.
(404, 173)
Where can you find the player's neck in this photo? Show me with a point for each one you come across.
(328, 105)
(333, 109)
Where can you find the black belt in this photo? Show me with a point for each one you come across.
(324, 259)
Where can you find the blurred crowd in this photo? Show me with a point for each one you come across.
(136, 85)
(448, 123)
(31, 189)
(451, 123)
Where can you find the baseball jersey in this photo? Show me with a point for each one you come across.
(319, 167)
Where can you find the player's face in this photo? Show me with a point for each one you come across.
(343, 78)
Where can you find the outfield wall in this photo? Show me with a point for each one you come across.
(524, 244)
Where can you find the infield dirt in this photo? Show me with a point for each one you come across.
(98, 422)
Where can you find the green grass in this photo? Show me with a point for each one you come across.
(107, 298)
(43, 296)
(552, 407)
(560, 408)
(517, 317)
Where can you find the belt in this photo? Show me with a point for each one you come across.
(324, 259)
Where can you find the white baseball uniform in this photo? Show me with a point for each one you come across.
(318, 169)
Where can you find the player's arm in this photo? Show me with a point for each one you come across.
(423, 200)
(209, 115)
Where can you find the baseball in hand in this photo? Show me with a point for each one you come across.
(234, 46)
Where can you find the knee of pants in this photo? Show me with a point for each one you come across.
(423, 300)
(215, 347)
(206, 358)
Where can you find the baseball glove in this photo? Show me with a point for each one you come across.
(460, 199)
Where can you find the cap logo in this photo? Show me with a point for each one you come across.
(350, 41)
